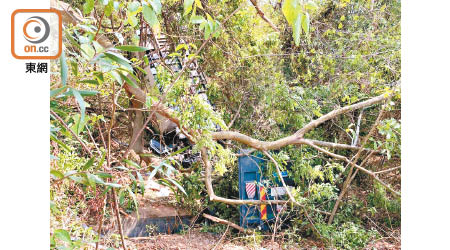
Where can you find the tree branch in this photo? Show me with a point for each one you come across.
(313, 124)
(261, 14)
(225, 222)
(297, 137)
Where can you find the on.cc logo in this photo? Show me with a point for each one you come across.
(36, 29)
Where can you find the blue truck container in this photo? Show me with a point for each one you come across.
(251, 169)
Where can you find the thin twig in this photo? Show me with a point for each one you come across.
(108, 158)
(100, 223)
(70, 130)
(387, 170)
(261, 14)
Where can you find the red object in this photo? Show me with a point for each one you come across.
(262, 193)
(250, 188)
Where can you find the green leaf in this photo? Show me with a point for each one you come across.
(197, 19)
(297, 30)
(132, 48)
(104, 175)
(88, 7)
(62, 144)
(97, 179)
(64, 69)
(156, 4)
(305, 23)
(62, 235)
(53, 208)
(153, 173)
(128, 80)
(71, 39)
(100, 164)
(134, 200)
(88, 164)
(57, 173)
(150, 16)
(116, 76)
(132, 163)
(118, 58)
(82, 104)
(311, 5)
(88, 92)
(133, 6)
(89, 81)
(109, 7)
(88, 51)
(121, 196)
(133, 21)
(179, 151)
(216, 29)
(198, 4)
(290, 10)
(141, 182)
(168, 182)
(54, 92)
(207, 31)
(181, 46)
(113, 185)
(187, 5)
(122, 168)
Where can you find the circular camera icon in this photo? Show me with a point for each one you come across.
(36, 29)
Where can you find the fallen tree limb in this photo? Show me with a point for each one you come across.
(313, 124)
(225, 222)
(297, 137)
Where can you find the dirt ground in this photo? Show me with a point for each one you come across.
(195, 239)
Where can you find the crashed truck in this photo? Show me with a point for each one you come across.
(252, 182)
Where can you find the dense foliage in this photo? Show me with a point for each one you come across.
(263, 82)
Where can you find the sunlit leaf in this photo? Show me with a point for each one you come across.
(156, 5)
(297, 29)
(88, 6)
(57, 173)
(305, 23)
(62, 235)
(187, 5)
(132, 48)
(88, 164)
(150, 16)
(64, 69)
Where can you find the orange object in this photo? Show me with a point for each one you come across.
(263, 197)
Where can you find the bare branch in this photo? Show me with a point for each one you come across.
(341, 146)
(313, 124)
(261, 14)
(225, 222)
(298, 136)
(387, 170)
